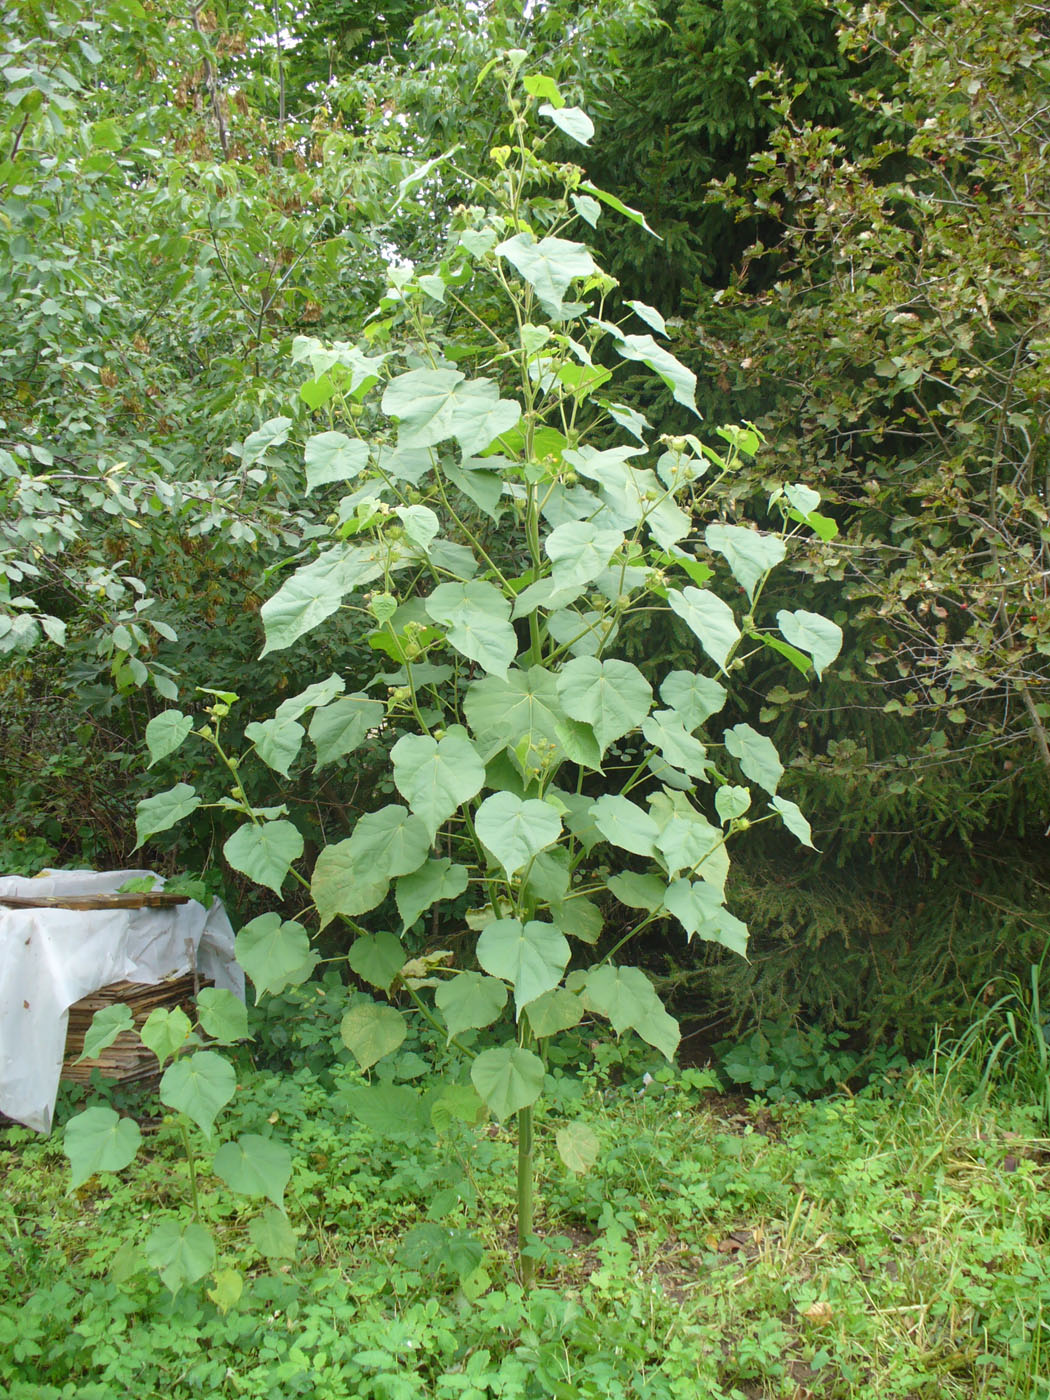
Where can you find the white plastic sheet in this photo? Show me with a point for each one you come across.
(50, 958)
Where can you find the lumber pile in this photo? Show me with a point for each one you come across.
(127, 1059)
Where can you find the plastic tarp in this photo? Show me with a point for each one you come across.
(50, 958)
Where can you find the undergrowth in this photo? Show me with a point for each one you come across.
(887, 1243)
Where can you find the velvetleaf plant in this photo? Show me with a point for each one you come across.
(505, 539)
(197, 1083)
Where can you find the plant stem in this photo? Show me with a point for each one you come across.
(192, 1163)
(525, 1184)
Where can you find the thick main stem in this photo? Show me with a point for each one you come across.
(191, 1161)
(528, 1264)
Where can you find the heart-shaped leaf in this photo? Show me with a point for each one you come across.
(476, 617)
(370, 1031)
(264, 852)
(162, 811)
(818, 635)
(507, 1078)
(255, 1166)
(377, 957)
(515, 830)
(99, 1140)
(180, 1252)
(710, 619)
(531, 956)
(273, 952)
(470, 1001)
(201, 1085)
(613, 697)
(165, 733)
(436, 776)
(756, 755)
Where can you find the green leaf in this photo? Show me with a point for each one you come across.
(665, 731)
(588, 209)
(390, 842)
(436, 776)
(624, 823)
(222, 1015)
(710, 619)
(432, 405)
(181, 1252)
(333, 457)
(508, 1079)
(553, 1012)
(613, 697)
(273, 433)
(370, 1031)
(341, 884)
(255, 1166)
(158, 813)
(272, 1234)
(502, 713)
(352, 877)
(626, 997)
(165, 733)
(264, 852)
(319, 694)
(578, 1147)
(377, 957)
(165, 1031)
(229, 1287)
(578, 917)
(580, 551)
(621, 208)
(649, 315)
(731, 802)
(698, 908)
(106, 1025)
(548, 266)
(477, 618)
(388, 1110)
(574, 121)
(515, 830)
(696, 698)
(798, 659)
(99, 1140)
(478, 241)
(531, 957)
(484, 488)
(470, 1001)
(539, 85)
(793, 819)
(316, 590)
(638, 891)
(200, 1086)
(277, 742)
(421, 525)
(688, 841)
(750, 555)
(438, 879)
(756, 755)
(338, 728)
(680, 380)
(818, 635)
(273, 952)
(457, 1103)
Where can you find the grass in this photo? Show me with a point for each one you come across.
(890, 1243)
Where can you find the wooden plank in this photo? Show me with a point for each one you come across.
(159, 900)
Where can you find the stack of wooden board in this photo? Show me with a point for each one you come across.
(127, 1059)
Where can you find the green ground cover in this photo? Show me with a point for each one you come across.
(884, 1242)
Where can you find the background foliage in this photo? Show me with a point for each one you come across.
(852, 204)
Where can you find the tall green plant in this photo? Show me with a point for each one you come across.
(501, 549)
